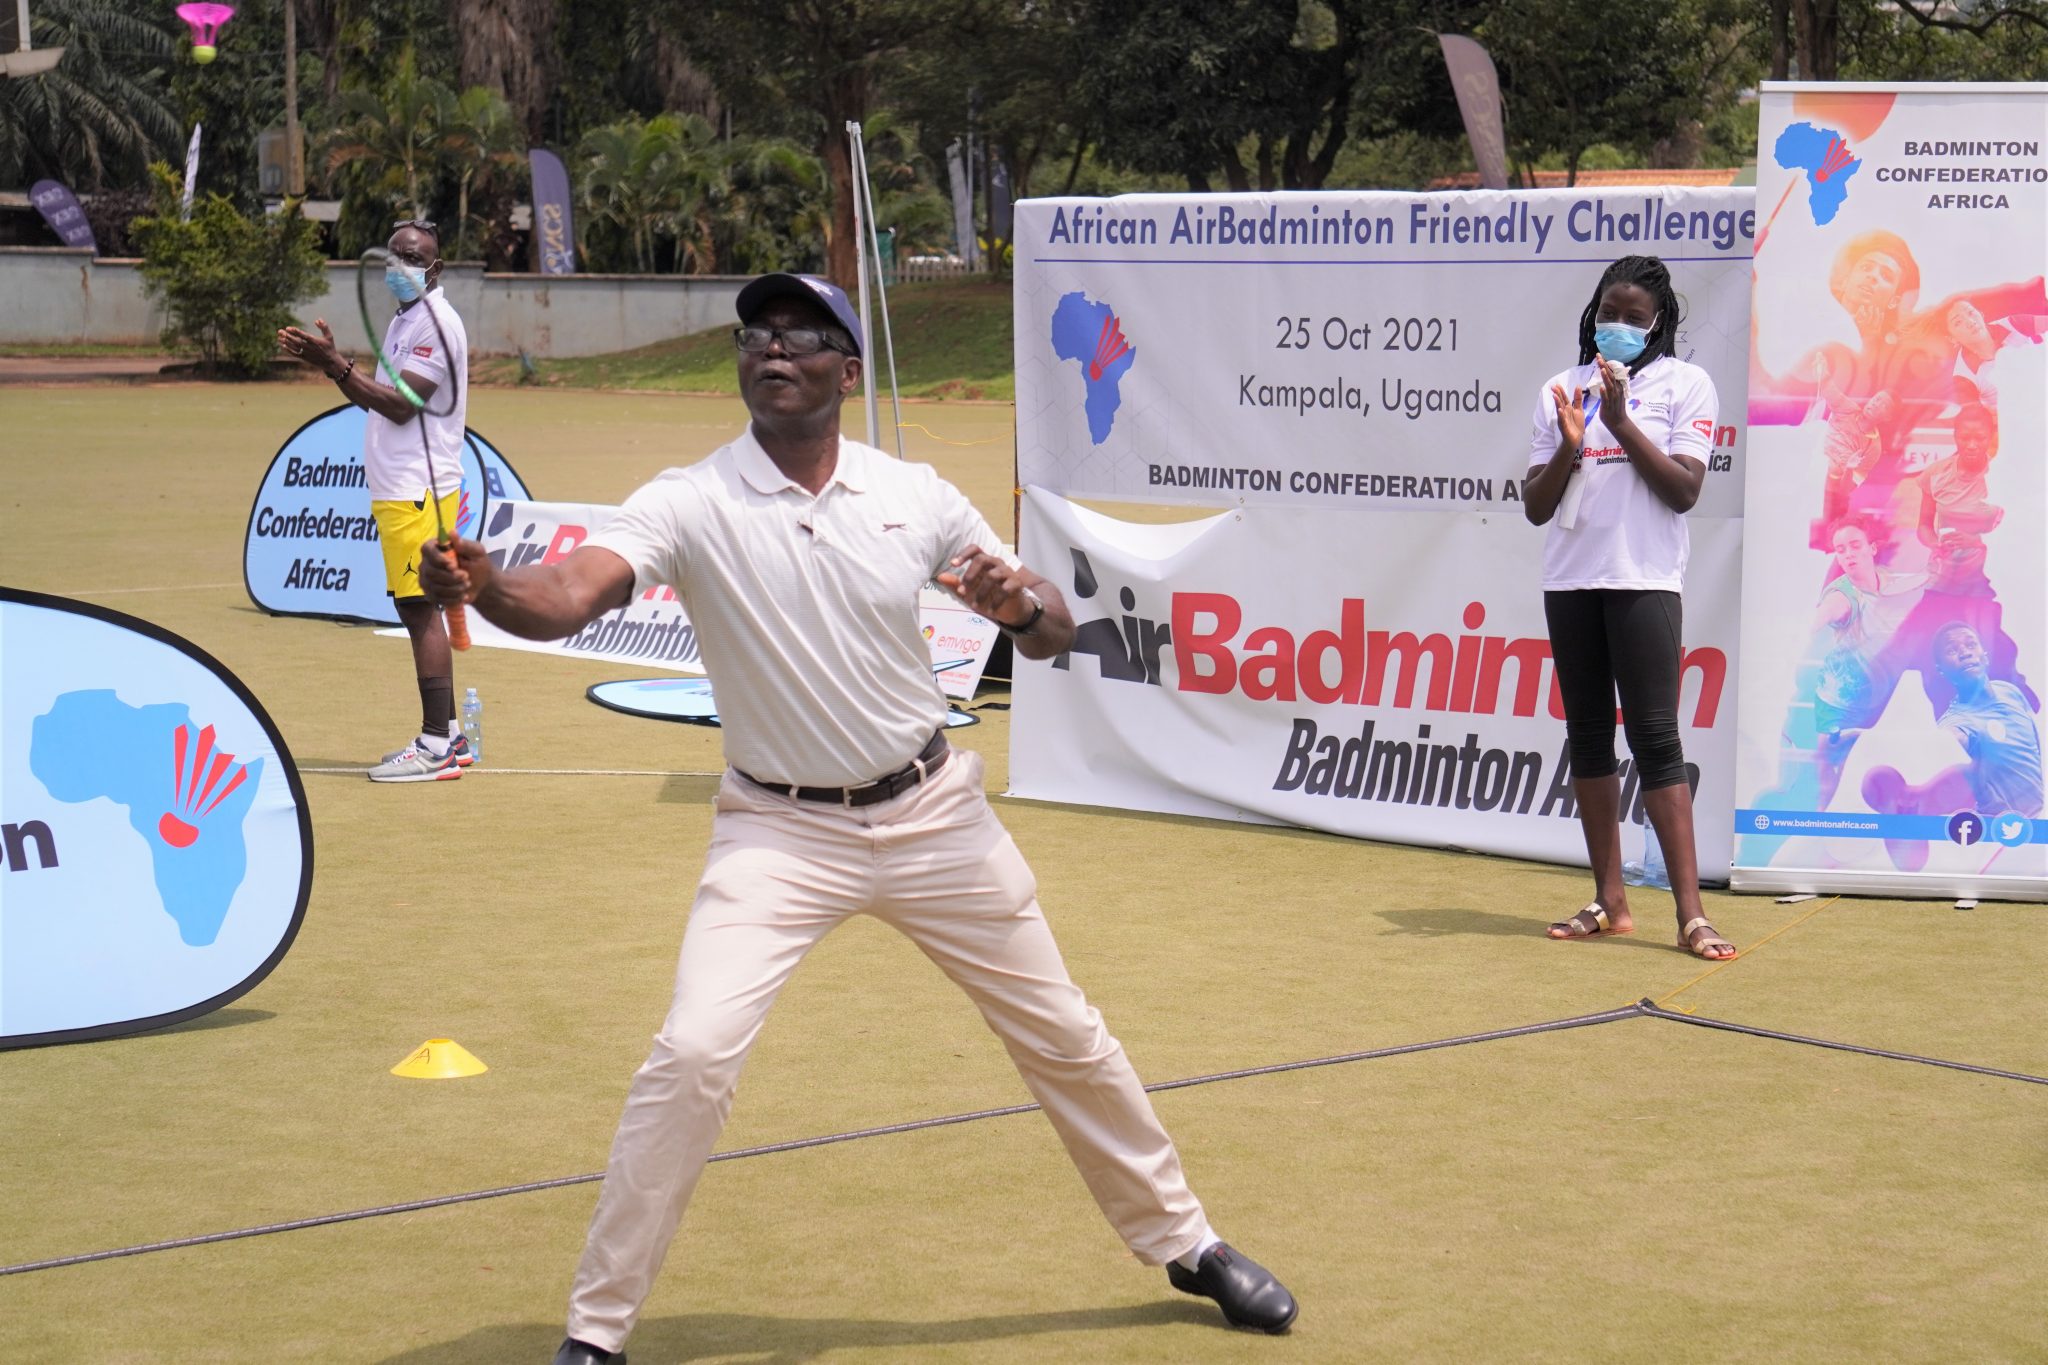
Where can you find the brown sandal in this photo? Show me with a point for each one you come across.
(1590, 922)
(1712, 940)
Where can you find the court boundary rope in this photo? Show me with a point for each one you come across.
(1645, 1008)
(1651, 1010)
(799, 1144)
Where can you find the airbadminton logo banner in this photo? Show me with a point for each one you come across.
(157, 854)
(1895, 566)
(1340, 349)
(1406, 693)
(311, 546)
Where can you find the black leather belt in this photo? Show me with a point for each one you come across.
(887, 787)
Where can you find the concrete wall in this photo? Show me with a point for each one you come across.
(57, 295)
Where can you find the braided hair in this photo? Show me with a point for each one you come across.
(1649, 274)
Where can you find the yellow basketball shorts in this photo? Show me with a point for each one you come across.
(403, 527)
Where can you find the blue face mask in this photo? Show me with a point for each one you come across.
(408, 283)
(1621, 342)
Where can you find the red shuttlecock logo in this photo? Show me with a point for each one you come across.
(1832, 160)
(1110, 346)
(196, 795)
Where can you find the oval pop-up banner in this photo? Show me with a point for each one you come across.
(157, 850)
(311, 547)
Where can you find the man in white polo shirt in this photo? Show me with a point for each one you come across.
(409, 451)
(799, 555)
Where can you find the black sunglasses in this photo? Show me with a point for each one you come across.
(795, 340)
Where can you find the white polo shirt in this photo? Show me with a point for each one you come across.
(394, 460)
(1622, 534)
(805, 607)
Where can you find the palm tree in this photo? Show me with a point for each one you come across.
(104, 112)
(395, 139)
(484, 140)
(634, 180)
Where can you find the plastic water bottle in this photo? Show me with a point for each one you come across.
(473, 723)
(1649, 870)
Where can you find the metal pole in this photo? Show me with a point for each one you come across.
(860, 255)
(294, 163)
(866, 188)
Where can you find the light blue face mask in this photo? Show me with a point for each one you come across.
(1620, 342)
(408, 284)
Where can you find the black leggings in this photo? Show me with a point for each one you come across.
(1609, 640)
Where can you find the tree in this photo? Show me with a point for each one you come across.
(227, 280)
(395, 140)
(823, 58)
(1574, 75)
(104, 111)
(509, 46)
(634, 181)
(484, 142)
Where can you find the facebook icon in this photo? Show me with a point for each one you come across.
(1965, 827)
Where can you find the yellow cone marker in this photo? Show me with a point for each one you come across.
(439, 1059)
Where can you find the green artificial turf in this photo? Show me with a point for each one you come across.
(952, 341)
(1635, 1190)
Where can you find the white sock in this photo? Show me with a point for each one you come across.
(437, 746)
(454, 730)
(1193, 1260)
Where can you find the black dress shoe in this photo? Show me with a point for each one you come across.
(1246, 1290)
(574, 1352)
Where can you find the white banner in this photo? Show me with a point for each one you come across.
(653, 630)
(1895, 630)
(1363, 673)
(1342, 350)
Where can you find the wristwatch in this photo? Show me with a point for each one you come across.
(1030, 623)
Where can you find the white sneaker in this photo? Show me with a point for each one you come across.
(414, 764)
(459, 746)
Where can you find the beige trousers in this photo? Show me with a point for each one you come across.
(937, 865)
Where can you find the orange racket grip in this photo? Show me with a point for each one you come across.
(458, 626)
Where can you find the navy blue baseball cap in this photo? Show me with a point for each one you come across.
(759, 292)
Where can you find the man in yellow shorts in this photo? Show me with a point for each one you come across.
(408, 452)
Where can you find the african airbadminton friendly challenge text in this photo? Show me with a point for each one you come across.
(1895, 623)
(1357, 644)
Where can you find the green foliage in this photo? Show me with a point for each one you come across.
(669, 189)
(226, 281)
(1639, 77)
(103, 113)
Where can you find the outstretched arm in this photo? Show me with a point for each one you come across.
(1012, 598)
(537, 602)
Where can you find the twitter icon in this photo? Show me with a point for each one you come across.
(2011, 829)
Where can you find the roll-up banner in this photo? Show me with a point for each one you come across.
(1895, 637)
(1387, 677)
(156, 847)
(1359, 644)
(311, 545)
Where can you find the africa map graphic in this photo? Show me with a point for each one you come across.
(1090, 334)
(1828, 164)
(185, 798)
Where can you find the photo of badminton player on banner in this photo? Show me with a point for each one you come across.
(416, 399)
(1895, 636)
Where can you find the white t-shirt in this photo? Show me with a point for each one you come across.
(1622, 535)
(805, 607)
(394, 460)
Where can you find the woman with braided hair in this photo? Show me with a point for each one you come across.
(1618, 456)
